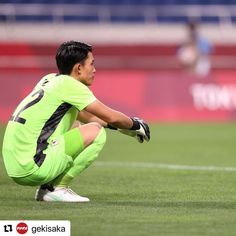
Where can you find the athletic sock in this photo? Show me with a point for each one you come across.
(47, 186)
(83, 160)
(63, 180)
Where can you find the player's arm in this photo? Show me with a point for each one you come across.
(110, 116)
(118, 120)
(87, 117)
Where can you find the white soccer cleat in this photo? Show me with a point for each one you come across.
(60, 194)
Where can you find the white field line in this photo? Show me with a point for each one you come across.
(162, 166)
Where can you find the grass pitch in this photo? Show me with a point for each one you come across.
(177, 184)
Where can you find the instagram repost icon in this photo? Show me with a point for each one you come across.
(22, 228)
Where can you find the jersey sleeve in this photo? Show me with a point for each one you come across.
(76, 93)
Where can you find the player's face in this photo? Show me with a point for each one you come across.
(87, 70)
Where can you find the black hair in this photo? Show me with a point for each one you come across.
(69, 53)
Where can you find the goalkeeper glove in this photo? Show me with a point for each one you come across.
(141, 128)
(132, 133)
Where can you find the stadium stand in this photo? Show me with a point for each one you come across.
(125, 11)
(127, 33)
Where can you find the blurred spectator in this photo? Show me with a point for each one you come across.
(194, 53)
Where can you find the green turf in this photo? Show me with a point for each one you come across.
(133, 200)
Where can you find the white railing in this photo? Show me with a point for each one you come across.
(105, 13)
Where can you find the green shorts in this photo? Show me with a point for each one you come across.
(57, 160)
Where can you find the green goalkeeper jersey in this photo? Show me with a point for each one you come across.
(47, 112)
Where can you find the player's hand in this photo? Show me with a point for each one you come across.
(141, 128)
(132, 133)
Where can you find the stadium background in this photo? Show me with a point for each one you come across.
(135, 44)
(183, 181)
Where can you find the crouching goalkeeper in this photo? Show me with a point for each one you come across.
(45, 145)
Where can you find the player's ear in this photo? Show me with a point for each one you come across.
(78, 68)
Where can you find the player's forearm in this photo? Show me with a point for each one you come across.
(86, 117)
(119, 120)
(110, 116)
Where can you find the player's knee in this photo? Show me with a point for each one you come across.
(99, 134)
(91, 131)
(94, 128)
(102, 136)
(95, 125)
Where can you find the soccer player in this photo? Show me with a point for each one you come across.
(58, 129)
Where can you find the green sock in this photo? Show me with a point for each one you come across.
(63, 180)
(83, 160)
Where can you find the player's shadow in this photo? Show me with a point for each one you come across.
(179, 204)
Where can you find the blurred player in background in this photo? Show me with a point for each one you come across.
(194, 53)
(45, 145)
